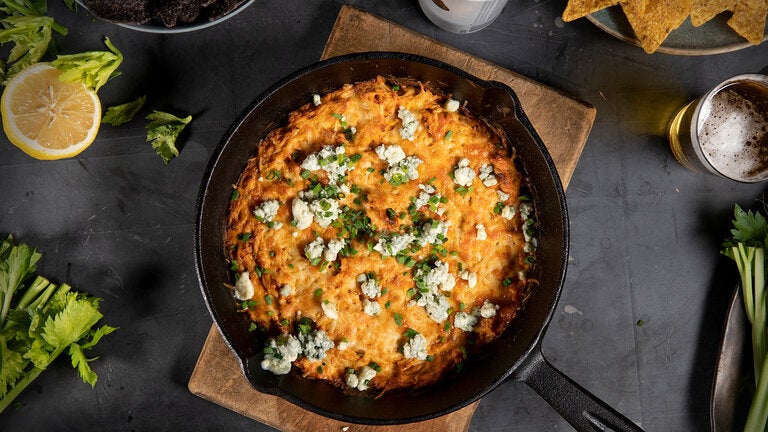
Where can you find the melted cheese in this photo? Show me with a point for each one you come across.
(407, 346)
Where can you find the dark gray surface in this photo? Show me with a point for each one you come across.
(645, 233)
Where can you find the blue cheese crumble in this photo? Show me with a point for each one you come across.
(429, 283)
(482, 234)
(403, 171)
(325, 211)
(433, 232)
(392, 155)
(464, 321)
(266, 211)
(369, 286)
(463, 174)
(430, 197)
(486, 175)
(401, 168)
(410, 124)
(316, 99)
(329, 309)
(470, 277)
(371, 308)
(508, 212)
(302, 215)
(488, 309)
(332, 160)
(467, 321)
(318, 249)
(392, 244)
(243, 286)
(452, 105)
(416, 347)
(361, 379)
(280, 353)
(315, 344)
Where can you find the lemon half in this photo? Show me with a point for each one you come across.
(48, 118)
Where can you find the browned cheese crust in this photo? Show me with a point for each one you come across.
(361, 117)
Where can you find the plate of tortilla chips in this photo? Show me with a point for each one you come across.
(165, 16)
(687, 27)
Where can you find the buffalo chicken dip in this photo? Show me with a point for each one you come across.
(379, 237)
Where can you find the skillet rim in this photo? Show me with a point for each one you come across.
(519, 116)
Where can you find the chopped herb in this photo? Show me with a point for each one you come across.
(374, 366)
(274, 175)
(233, 266)
(252, 327)
(270, 313)
(448, 135)
(498, 207)
(370, 169)
(244, 236)
(410, 333)
(284, 323)
(463, 190)
(430, 358)
(318, 292)
(248, 304)
(391, 215)
(305, 173)
(395, 88)
(398, 319)
(387, 304)
(268, 299)
(530, 259)
(235, 195)
(507, 281)
(261, 271)
(447, 326)
(320, 369)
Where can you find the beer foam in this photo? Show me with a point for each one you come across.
(732, 132)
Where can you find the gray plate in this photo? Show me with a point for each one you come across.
(732, 385)
(712, 37)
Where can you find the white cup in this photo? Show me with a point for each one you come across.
(462, 16)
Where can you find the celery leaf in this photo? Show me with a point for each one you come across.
(92, 68)
(163, 130)
(72, 323)
(123, 113)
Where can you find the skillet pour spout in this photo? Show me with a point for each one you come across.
(515, 354)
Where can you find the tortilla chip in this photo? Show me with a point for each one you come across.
(748, 19)
(173, 12)
(658, 20)
(705, 10)
(576, 9)
(125, 11)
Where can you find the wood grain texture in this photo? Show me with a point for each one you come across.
(563, 124)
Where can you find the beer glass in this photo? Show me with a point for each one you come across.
(725, 132)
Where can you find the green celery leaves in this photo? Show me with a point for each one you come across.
(162, 131)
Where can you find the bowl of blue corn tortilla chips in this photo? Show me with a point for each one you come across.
(165, 16)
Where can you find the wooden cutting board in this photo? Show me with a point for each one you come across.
(563, 124)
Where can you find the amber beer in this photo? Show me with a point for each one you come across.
(725, 132)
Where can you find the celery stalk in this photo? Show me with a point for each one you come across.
(747, 248)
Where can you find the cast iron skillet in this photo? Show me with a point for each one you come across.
(515, 355)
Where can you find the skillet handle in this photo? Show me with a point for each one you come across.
(584, 411)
